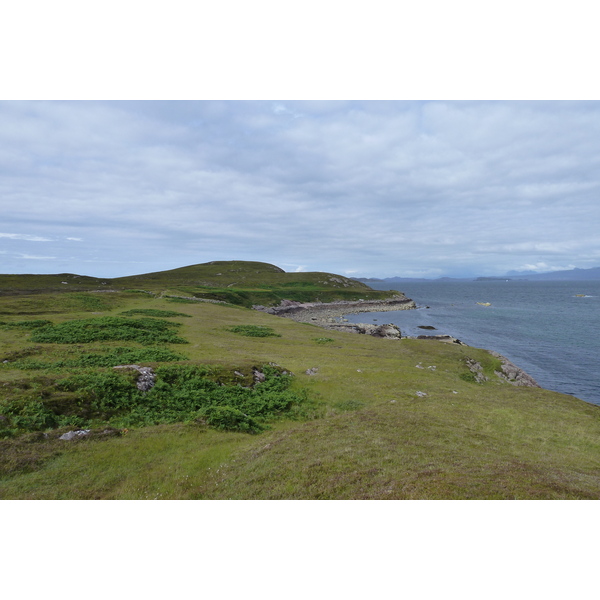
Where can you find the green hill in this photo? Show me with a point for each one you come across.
(237, 282)
(250, 405)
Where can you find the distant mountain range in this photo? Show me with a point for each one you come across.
(592, 274)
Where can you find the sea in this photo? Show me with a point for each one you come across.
(551, 329)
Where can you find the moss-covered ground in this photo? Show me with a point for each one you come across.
(378, 425)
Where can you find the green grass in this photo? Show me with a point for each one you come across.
(153, 312)
(240, 283)
(254, 331)
(356, 428)
(144, 331)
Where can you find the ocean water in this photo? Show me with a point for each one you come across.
(544, 327)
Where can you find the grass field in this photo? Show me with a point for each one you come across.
(367, 423)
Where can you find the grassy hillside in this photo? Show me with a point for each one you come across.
(242, 283)
(378, 418)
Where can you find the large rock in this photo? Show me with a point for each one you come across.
(71, 435)
(388, 331)
(146, 378)
(513, 374)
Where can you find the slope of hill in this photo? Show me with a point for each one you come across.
(245, 404)
(237, 282)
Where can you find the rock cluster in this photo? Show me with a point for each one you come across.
(388, 331)
(307, 311)
(328, 314)
(510, 372)
(441, 338)
(513, 374)
(146, 378)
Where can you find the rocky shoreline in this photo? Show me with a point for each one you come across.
(328, 314)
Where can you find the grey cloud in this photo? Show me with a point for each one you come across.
(342, 186)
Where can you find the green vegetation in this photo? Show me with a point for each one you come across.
(324, 340)
(361, 417)
(234, 282)
(111, 358)
(26, 324)
(254, 331)
(144, 331)
(182, 393)
(153, 312)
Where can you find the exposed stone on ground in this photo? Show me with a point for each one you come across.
(512, 373)
(441, 338)
(477, 370)
(388, 331)
(306, 312)
(146, 378)
(81, 433)
(312, 371)
(258, 376)
(70, 435)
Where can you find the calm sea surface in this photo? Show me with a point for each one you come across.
(544, 327)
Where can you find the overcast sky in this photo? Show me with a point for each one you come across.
(370, 188)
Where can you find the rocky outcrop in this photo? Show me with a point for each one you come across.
(146, 378)
(510, 372)
(513, 374)
(305, 311)
(328, 314)
(441, 338)
(387, 331)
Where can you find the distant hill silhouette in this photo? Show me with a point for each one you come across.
(592, 274)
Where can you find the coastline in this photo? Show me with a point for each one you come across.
(327, 314)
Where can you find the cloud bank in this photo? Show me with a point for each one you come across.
(363, 188)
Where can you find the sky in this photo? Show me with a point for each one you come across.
(359, 188)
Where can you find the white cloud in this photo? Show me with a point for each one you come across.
(542, 267)
(26, 237)
(30, 257)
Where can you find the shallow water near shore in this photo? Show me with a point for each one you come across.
(551, 329)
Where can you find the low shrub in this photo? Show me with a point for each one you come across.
(117, 356)
(145, 331)
(35, 324)
(182, 393)
(230, 419)
(254, 331)
(25, 414)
